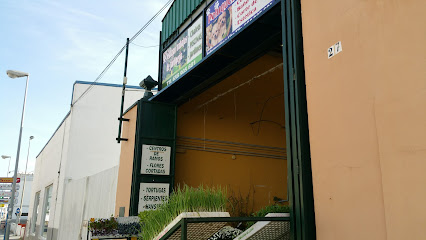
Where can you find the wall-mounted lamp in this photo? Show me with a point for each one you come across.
(148, 84)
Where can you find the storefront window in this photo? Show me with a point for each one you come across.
(46, 211)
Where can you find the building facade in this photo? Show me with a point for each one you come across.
(75, 176)
(323, 110)
(23, 196)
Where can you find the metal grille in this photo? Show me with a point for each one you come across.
(199, 231)
(273, 231)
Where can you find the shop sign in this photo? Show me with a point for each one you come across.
(8, 186)
(8, 194)
(155, 160)
(151, 195)
(9, 180)
(183, 54)
(224, 18)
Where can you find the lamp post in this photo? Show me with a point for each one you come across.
(16, 74)
(18, 220)
(4, 157)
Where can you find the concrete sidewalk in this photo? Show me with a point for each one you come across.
(10, 238)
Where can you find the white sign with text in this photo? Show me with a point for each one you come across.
(335, 49)
(8, 186)
(155, 160)
(151, 195)
(8, 194)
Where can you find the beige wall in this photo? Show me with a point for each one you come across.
(367, 117)
(124, 183)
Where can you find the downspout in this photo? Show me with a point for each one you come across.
(59, 175)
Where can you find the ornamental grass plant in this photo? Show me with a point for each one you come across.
(183, 199)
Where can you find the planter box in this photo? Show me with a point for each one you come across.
(131, 230)
(195, 231)
(112, 237)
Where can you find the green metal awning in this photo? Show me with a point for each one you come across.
(177, 14)
(261, 36)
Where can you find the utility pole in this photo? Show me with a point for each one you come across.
(121, 119)
(25, 180)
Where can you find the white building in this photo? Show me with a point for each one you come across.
(75, 176)
(24, 192)
(22, 202)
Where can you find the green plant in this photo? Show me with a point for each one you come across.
(240, 206)
(185, 199)
(103, 226)
(269, 209)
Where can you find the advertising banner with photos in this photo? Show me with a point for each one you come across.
(183, 54)
(224, 18)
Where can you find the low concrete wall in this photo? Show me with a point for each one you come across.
(52, 233)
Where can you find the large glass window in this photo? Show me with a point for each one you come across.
(46, 211)
(35, 212)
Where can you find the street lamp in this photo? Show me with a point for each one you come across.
(16, 74)
(4, 157)
(18, 220)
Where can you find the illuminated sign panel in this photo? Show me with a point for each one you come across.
(183, 54)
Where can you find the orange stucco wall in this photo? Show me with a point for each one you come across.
(246, 108)
(124, 182)
(367, 117)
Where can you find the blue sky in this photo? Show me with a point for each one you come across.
(57, 43)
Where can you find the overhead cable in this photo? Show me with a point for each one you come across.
(121, 50)
(145, 46)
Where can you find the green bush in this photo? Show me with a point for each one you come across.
(185, 199)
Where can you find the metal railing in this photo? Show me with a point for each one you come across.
(183, 223)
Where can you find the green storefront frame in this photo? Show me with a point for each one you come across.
(300, 187)
(155, 125)
(298, 147)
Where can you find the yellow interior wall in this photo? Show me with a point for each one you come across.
(228, 112)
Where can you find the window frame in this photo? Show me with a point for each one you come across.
(35, 212)
(43, 212)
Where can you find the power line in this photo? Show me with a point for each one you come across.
(145, 46)
(100, 76)
(121, 50)
(152, 19)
